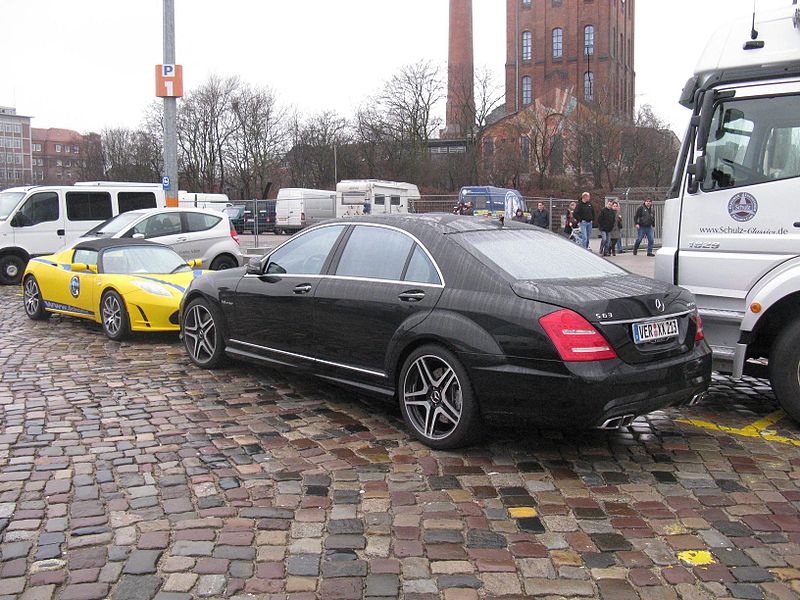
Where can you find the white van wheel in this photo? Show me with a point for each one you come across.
(11, 268)
(784, 370)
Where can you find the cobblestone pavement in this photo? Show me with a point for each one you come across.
(127, 473)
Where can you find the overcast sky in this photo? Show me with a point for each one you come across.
(88, 64)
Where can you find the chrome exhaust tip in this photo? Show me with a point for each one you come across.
(617, 422)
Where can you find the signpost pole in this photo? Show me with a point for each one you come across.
(170, 110)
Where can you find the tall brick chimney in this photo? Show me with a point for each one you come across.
(460, 71)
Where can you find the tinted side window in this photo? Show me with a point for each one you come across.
(88, 206)
(135, 200)
(200, 222)
(375, 252)
(88, 257)
(380, 200)
(158, 225)
(39, 208)
(305, 254)
(421, 269)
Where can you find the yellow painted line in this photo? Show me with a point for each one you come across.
(754, 430)
(696, 558)
(521, 512)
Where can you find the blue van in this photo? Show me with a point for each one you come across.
(493, 201)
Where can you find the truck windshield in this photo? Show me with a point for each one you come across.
(8, 202)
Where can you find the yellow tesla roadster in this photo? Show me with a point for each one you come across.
(123, 284)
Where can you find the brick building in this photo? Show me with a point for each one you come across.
(15, 148)
(62, 156)
(581, 47)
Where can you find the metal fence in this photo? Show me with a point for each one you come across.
(557, 210)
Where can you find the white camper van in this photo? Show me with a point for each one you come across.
(296, 208)
(731, 229)
(380, 197)
(41, 219)
(200, 200)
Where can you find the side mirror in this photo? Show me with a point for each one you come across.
(706, 116)
(697, 173)
(196, 263)
(254, 266)
(138, 236)
(16, 220)
(79, 267)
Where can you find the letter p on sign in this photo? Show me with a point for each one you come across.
(169, 81)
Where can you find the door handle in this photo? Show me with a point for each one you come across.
(412, 296)
(62, 232)
(797, 223)
(181, 239)
(303, 288)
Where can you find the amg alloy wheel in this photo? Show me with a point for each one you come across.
(202, 334)
(436, 398)
(32, 297)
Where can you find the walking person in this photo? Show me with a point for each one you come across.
(540, 217)
(606, 221)
(616, 230)
(644, 221)
(571, 223)
(584, 212)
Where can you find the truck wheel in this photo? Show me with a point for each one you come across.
(784, 370)
(11, 269)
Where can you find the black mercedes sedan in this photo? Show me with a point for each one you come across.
(462, 319)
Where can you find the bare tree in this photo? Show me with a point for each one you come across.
(409, 100)
(254, 151)
(311, 159)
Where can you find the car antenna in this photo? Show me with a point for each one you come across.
(753, 32)
(754, 43)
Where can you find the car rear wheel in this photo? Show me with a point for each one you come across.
(32, 297)
(224, 261)
(436, 398)
(202, 334)
(784, 370)
(11, 268)
(116, 323)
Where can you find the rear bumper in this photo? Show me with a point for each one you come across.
(587, 394)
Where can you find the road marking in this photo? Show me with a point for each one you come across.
(754, 430)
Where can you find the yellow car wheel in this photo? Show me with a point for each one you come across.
(116, 323)
(32, 297)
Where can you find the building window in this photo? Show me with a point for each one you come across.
(588, 40)
(527, 90)
(556, 3)
(558, 40)
(66, 149)
(526, 3)
(588, 86)
(525, 148)
(74, 149)
(527, 45)
(58, 147)
(37, 147)
(488, 146)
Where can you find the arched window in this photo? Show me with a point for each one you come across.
(527, 45)
(525, 148)
(558, 41)
(527, 90)
(588, 86)
(588, 40)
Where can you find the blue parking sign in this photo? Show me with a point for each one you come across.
(165, 182)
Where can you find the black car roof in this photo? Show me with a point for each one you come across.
(443, 222)
(105, 243)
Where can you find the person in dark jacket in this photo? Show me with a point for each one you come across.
(606, 223)
(540, 217)
(584, 213)
(616, 231)
(644, 219)
(519, 216)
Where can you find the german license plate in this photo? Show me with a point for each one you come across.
(655, 330)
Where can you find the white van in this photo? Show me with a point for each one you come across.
(41, 219)
(201, 200)
(731, 228)
(296, 208)
(378, 196)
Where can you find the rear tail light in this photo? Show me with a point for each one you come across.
(698, 334)
(575, 338)
(234, 235)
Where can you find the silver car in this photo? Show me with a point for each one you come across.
(192, 232)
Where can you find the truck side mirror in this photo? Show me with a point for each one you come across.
(697, 172)
(706, 116)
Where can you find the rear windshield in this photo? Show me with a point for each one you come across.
(530, 254)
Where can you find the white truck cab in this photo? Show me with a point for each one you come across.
(41, 219)
(731, 228)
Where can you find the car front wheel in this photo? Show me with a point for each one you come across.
(784, 370)
(116, 323)
(436, 398)
(11, 268)
(202, 334)
(32, 297)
